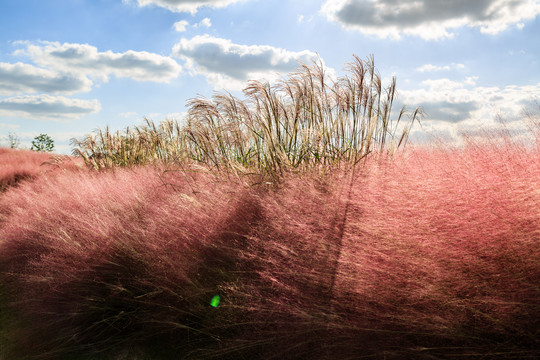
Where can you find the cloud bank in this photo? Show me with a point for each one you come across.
(23, 78)
(86, 59)
(457, 101)
(47, 107)
(452, 106)
(229, 65)
(67, 69)
(429, 19)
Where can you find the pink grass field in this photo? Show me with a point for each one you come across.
(20, 165)
(434, 254)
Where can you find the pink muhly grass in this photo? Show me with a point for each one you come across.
(94, 262)
(19, 165)
(430, 254)
(445, 244)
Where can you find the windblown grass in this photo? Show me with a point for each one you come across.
(430, 254)
(307, 120)
(22, 165)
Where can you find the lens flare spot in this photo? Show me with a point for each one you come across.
(215, 301)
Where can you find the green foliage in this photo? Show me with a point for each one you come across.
(43, 143)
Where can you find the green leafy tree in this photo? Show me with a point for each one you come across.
(43, 142)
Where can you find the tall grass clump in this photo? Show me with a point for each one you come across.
(306, 120)
(431, 254)
(140, 145)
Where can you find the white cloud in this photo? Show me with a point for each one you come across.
(206, 22)
(453, 106)
(181, 25)
(24, 78)
(432, 68)
(191, 6)
(229, 65)
(429, 19)
(47, 107)
(84, 58)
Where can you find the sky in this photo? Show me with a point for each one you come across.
(68, 67)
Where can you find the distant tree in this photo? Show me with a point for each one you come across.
(43, 143)
(14, 141)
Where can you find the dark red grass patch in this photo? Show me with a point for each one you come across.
(20, 165)
(434, 255)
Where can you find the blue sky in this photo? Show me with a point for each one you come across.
(68, 67)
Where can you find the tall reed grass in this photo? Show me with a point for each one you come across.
(305, 120)
(140, 145)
